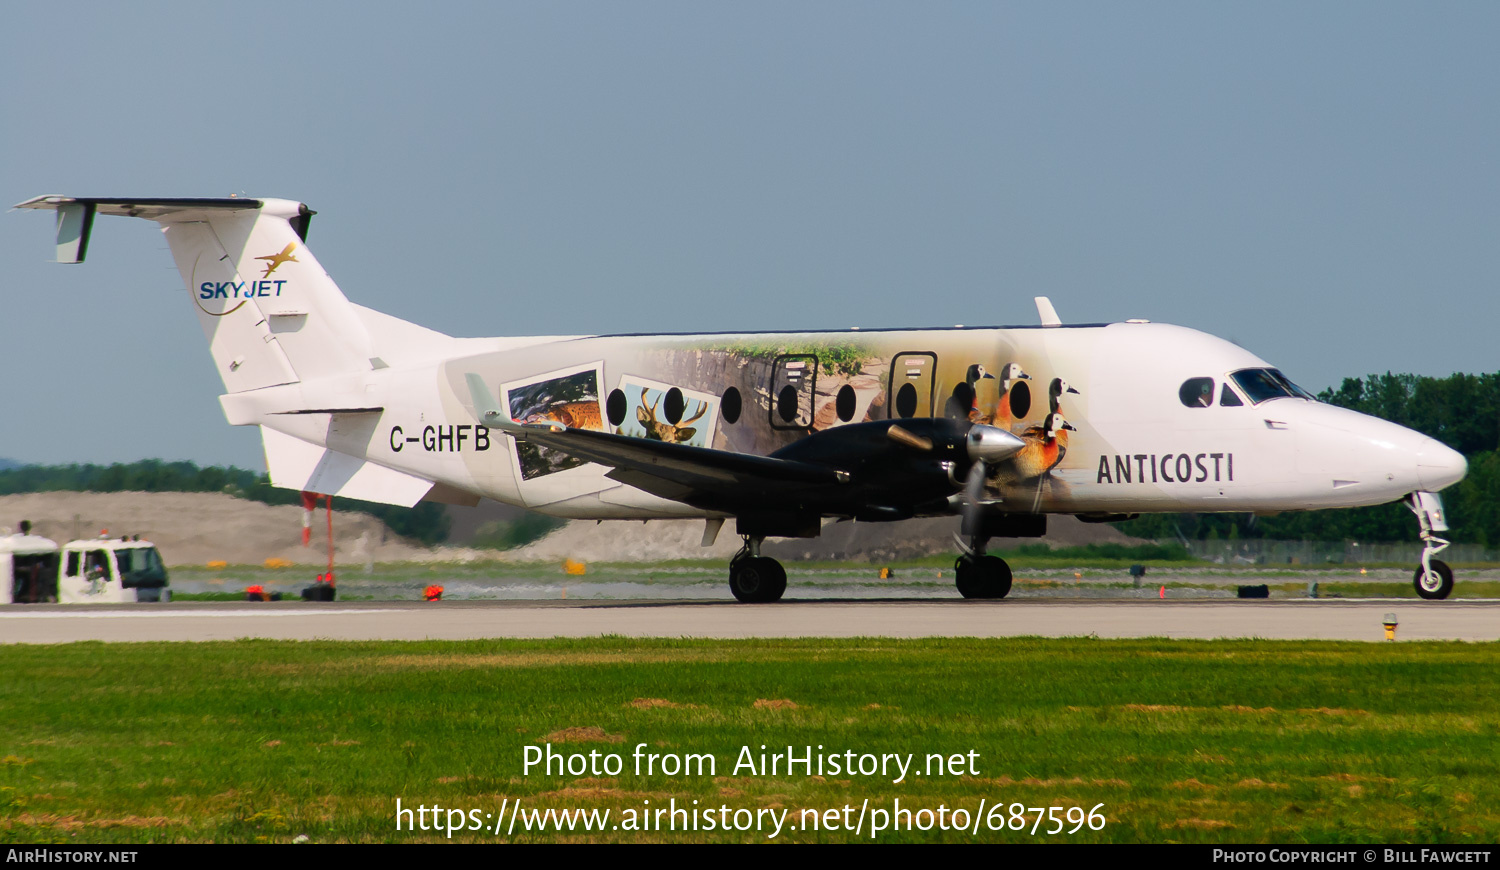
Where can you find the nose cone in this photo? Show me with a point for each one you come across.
(1438, 465)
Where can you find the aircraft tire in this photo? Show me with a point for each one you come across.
(1437, 586)
(757, 580)
(982, 577)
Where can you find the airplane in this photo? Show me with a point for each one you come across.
(780, 432)
(285, 256)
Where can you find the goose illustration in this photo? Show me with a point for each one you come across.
(1045, 447)
(1055, 393)
(975, 412)
(1015, 397)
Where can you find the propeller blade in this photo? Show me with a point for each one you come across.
(974, 483)
(972, 499)
(909, 439)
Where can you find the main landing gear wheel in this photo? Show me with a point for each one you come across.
(1435, 583)
(982, 576)
(757, 579)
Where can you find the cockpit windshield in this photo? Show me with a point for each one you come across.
(1263, 384)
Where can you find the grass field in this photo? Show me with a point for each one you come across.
(1180, 741)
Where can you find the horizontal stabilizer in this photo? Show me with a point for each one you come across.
(332, 411)
(75, 215)
(296, 464)
(150, 208)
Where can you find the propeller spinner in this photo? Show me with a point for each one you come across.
(991, 444)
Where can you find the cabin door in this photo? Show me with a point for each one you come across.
(794, 382)
(912, 377)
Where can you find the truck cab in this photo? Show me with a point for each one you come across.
(111, 570)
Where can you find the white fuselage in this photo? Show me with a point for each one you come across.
(1137, 447)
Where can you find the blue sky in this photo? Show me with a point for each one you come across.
(1317, 182)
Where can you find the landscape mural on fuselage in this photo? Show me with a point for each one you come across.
(782, 387)
(1120, 437)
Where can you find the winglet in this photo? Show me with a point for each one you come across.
(486, 409)
(75, 223)
(488, 412)
(1045, 310)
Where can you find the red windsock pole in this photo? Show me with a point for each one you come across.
(330, 539)
(309, 504)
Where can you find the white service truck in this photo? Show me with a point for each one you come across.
(34, 570)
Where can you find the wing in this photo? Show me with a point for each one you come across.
(680, 471)
(676, 471)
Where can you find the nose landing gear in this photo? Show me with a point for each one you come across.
(980, 575)
(1434, 579)
(753, 578)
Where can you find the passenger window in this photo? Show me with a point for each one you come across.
(1197, 392)
(73, 564)
(1229, 398)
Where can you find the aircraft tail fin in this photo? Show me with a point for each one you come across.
(272, 315)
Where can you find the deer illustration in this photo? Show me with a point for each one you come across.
(658, 430)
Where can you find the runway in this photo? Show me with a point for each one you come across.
(1361, 620)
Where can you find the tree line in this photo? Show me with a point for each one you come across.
(1461, 410)
(427, 523)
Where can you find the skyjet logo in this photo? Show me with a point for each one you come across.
(239, 289)
(236, 293)
(275, 260)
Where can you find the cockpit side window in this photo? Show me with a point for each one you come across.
(1197, 392)
(1229, 398)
